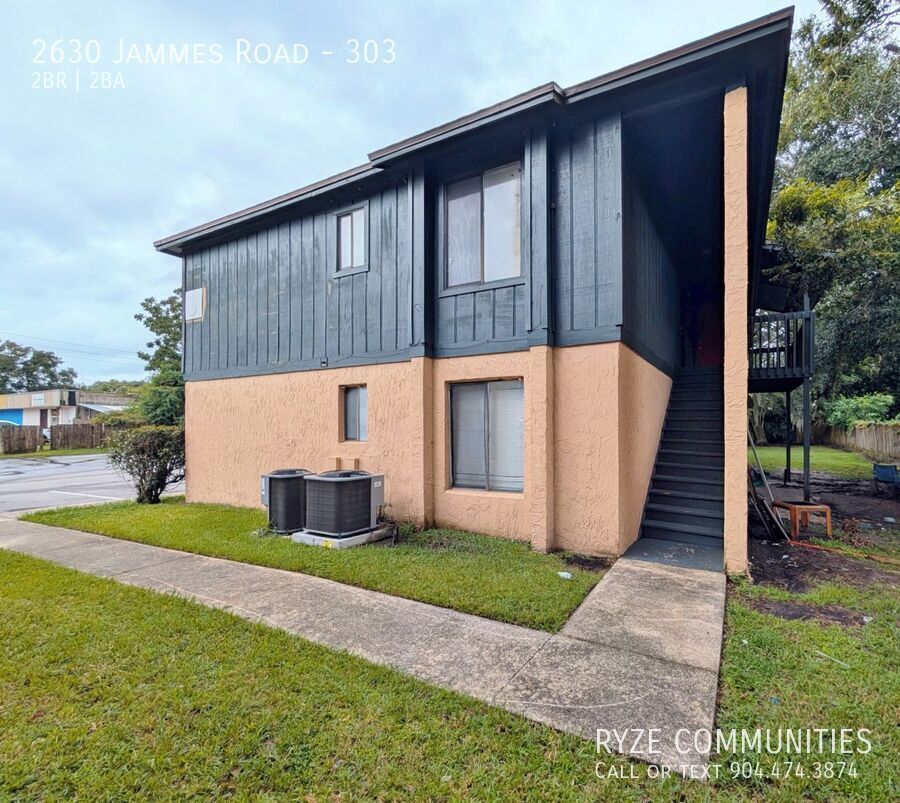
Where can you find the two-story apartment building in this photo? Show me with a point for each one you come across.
(494, 313)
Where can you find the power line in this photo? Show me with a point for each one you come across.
(67, 343)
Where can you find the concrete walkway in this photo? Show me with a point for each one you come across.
(642, 651)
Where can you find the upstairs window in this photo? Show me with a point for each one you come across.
(483, 227)
(356, 413)
(351, 239)
(487, 430)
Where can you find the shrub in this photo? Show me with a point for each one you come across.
(845, 411)
(161, 401)
(151, 457)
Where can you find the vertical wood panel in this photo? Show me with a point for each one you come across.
(295, 329)
(242, 302)
(272, 269)
(504, 313)
(326, 309)
(584, 253)
(310, 288)
(209, 361)
(402, 287)
(378, 260)
(262, 298)
(252, 307)
(233, 291)
(563, 236)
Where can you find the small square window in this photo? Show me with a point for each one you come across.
(351, 239)
(356, 413)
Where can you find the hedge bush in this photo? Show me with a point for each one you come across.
(150, 457)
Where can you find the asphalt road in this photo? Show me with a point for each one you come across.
(39, 482)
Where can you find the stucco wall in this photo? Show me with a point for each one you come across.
(593, 415)
(586, 381)
(735, 314)
(643, 399)
(237, 429)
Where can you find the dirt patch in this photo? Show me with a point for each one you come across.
(869, 512)
(831, 614)
(796, 569)
(588, 564)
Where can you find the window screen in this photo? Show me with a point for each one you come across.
(356, 414)
(484, 227)
(351, 239)
(487, 435)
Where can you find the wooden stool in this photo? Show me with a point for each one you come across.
(799, 514)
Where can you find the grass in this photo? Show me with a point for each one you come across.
(110, 692)
(490, 577)
(54, 453)
(845, 465)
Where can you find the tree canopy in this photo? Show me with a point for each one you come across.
(23, 368)
(835, 213)
(163, 318)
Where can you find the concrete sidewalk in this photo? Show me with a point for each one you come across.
(642, 651)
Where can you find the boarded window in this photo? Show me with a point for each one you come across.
(487, 435)
(351, 239)
(484, 227)
(356, 413)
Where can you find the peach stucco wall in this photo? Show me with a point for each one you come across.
(237, 429)
(593, 416)
(586, 382)
(735, 313)
(643, 399)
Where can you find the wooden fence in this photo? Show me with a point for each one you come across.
(882, 439)
(79, 436)
(19, 440)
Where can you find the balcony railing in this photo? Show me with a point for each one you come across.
(782, 345)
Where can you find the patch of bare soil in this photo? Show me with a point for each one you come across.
(588, 564)
(796, 569)
(831, 614)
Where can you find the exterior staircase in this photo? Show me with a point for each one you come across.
(684, 502)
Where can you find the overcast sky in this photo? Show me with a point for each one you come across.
(90, 177)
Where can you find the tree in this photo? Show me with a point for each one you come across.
(836, 209)
(121, 387)
(163, 319)
(23, 368)
(150, 457)
(161, 400)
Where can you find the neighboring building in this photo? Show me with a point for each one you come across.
(45, 408)
(492, 313)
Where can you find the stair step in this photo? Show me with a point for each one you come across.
(687, 499)
(689, 414)
(692, 457)
(683, 538)
(692, 470)
(687, 529)
(707, 448)
(691, 516)
(683, 484)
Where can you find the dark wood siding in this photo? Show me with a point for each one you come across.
(587, 233)
(651, 285)
(275, 302)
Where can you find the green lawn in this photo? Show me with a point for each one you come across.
(490, 577)
(846, 465)
(110, 692)
(54, 453)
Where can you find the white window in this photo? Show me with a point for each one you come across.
(487, 435)
(351, 239)
(356, 413)
(484, 227)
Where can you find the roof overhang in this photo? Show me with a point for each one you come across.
(540, 99)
